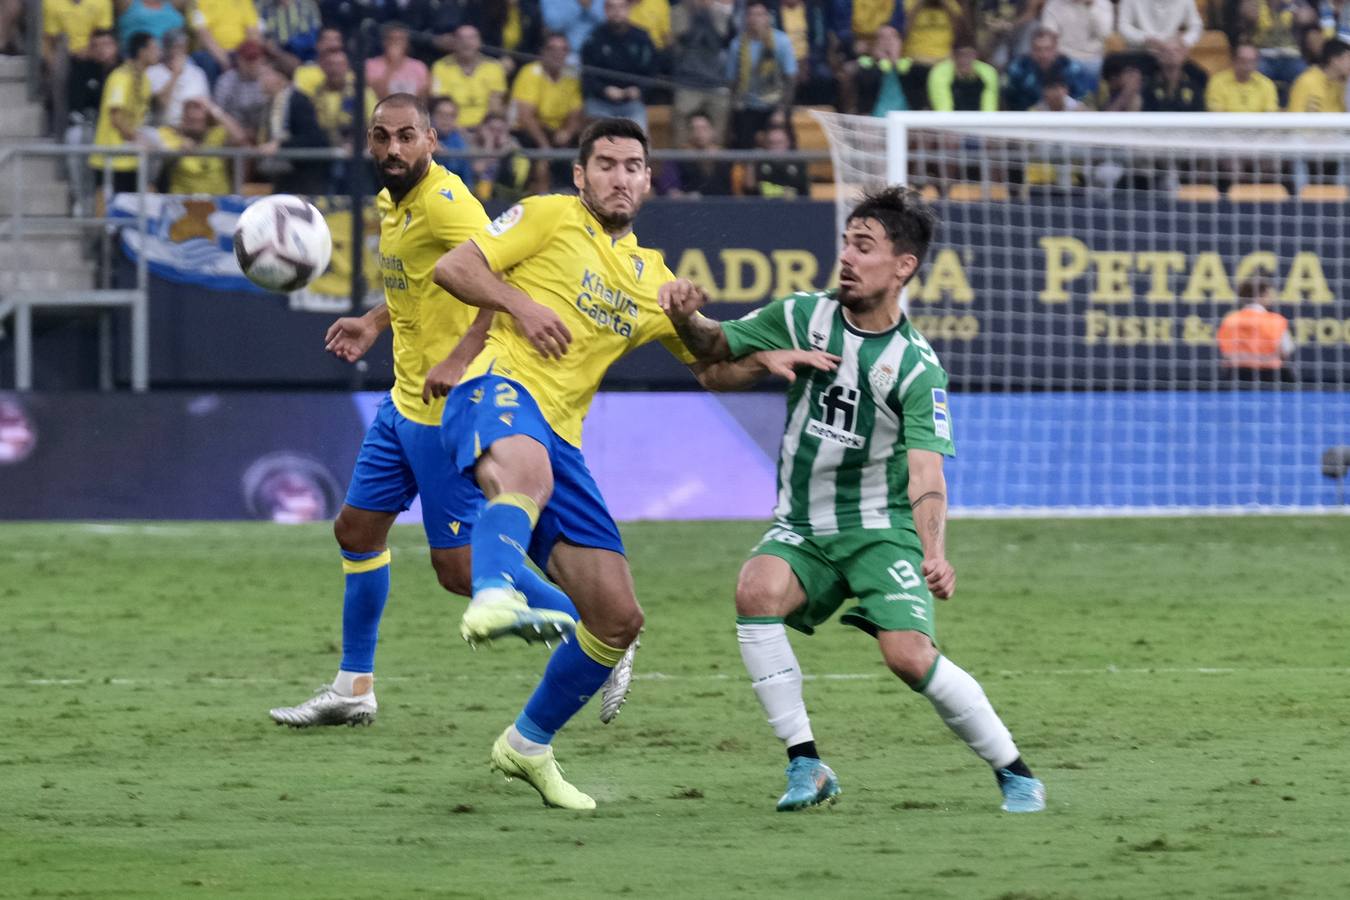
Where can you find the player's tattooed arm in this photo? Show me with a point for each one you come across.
(681, 300)
(737, 374)
(928, 505)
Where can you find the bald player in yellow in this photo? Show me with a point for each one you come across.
(425, 210)
(568, 291)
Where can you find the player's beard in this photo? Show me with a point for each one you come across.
(610, 221)
(402, 182)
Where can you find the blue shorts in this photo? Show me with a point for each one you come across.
(488, 408)
(400, 459)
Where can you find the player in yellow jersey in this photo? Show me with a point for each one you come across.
(572, 292)
(424, 211)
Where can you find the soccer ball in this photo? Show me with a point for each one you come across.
(282, 243)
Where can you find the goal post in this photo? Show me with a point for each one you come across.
(1091, 292)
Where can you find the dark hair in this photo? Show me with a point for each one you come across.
(138, 42)
(609, 128)
(1254, 289)
(553, 36)
(908, 221)
(405, 101)
(436, 103)
(1332, 49)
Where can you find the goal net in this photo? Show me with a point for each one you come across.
(1140, 313)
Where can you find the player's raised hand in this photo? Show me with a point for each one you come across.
(543, 328)
(442, 378)
(681, 298)
(350, 337)
(785, 363)
(941, 578)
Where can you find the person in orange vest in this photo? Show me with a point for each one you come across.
(1254, 342)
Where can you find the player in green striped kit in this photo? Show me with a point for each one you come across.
(862, 500)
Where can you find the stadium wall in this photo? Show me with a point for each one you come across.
(1052, 293)
(675, 455)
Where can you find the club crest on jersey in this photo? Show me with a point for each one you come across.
(637, 266)
(506, 220)
(882, 378)
(942, 419)
(819, 340)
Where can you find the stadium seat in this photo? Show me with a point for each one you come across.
(1198, 193)
(930, 194)
(1212, 52)
(255, 188)
(810, 136)
(659, 130)
(824, 190)
(1325, 193)
(971, 192)
(1257, 193)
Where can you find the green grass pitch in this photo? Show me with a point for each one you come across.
(1180, 685)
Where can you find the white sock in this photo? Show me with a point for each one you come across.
(523, 745)
(960, 701)
(776, 678)
(346, 683)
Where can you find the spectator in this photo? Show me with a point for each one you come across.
(1275, 28)
(859, 22)
(1335, 16)
(933, 26)
(308, 76)
(700, 177)
(762, 70)
(394, 71)
(1254, 342)
(11, 15)
(1028, 75)
(1002, 28)
(88, 73)
(122, 112)
(75, 20)
(477, 84)
(1177, 85)
(614, 53)
(700, 33)
(1150, 23)
(1083, 27)
(176, 79)
(84, 93)
(888, 80)
(1242, 88)
(153, 17)
(516, 26)
(239, 91)
(221, 26)
(1322, 87)
(290, 31)
(1055, 97)
(334, 98)
(653, 17)
(506, 176)
(202, 124)
(770, 177)
(574, 18)
(808, 28)
(290, 123)
(1123, 87)
(963, 82)
(547, 98)
(452, 140)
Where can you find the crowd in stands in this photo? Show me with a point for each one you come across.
(505, 75)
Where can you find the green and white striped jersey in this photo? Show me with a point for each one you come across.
(842, 464)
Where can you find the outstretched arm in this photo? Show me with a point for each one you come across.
(464, 272)
(735, 375)
(928, 503)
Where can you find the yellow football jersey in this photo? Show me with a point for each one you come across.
(437, 215)
(76, 19)
(553, 100)
(554, 250)
(128, 90)
(471, 90)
